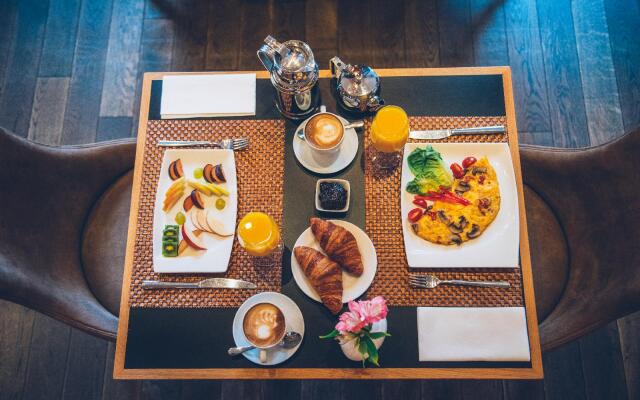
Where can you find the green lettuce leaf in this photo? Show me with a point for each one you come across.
(429, 170)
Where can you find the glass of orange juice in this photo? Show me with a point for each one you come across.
(259, 235)
(389, 133)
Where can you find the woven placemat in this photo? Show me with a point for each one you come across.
(382, 216)
(260, 188)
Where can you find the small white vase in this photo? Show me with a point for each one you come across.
(350, 349)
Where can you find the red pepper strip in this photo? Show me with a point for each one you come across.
(461, 199)
(445, 196)
(445, 199)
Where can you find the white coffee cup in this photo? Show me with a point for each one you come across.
(274, 341)
(329, 121)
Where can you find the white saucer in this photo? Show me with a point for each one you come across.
(294, 322)
(326, 164)
(352, 287)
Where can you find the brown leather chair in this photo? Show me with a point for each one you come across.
(583, 208)
(63, 228)
(63, 216)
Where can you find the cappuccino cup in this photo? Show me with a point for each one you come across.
(264, 327)
(324, 132)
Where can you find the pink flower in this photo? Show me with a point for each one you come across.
(373, 310)
(362, 313)
(350, 322)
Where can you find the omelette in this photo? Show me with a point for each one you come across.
(449, 223)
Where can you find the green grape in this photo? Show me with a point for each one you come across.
(197, 173)
(220, 203)
(180, 218)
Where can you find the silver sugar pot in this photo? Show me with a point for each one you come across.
(294, 74)
(357, 86)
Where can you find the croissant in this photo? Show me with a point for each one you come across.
(324, 274)
(339, 244)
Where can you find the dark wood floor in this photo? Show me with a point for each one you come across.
(70, 72)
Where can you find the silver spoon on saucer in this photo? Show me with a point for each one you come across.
(290, 340)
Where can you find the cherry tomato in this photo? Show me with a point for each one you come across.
(415, 215)
(420, 202)
(469, 161)
(458, 171)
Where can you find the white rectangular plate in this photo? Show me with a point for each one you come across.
(216, 257)
(498, 246)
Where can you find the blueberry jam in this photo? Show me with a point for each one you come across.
(333, 196)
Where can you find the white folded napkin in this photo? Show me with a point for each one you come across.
(472, 334)
(218, 95)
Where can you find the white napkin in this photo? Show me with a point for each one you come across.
(472, 334)
(218, 95)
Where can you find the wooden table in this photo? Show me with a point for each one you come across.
(161, 343)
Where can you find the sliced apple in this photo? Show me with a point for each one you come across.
(201, 216)
(192, 240)
(217, 226)
(194, 219)
(197, 199)
(187, 204)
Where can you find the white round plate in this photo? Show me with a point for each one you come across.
(352, 287)
(293, 319)
(326, 164)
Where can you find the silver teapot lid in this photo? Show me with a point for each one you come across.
(359, 80)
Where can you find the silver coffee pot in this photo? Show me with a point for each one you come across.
(357, 86)
(294, 74)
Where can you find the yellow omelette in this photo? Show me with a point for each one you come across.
(448, 223)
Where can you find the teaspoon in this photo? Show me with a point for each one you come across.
(290, 340)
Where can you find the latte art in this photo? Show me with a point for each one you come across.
(264, 325)
(324, 131)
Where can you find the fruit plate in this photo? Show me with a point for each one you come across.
(498, 246)
(218, 246)
(352, 287)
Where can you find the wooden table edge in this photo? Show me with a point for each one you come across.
(534, 372)
(329, 373)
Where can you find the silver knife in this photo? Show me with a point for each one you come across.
(220, 283)
(445, 133)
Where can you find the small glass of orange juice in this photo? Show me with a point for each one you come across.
(259, 235)
(389, 133)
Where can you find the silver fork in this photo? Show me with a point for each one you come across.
(231, 144)
(430, 281)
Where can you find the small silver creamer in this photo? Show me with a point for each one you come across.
(357, 86)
